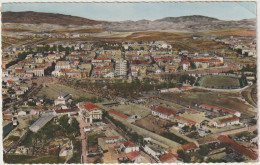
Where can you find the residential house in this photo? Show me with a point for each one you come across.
(189, 147)
(163, 112)
(89, 111)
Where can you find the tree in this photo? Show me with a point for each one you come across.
(186, 157)
(31, 103)
(185, 128)
(204, 150)
(193, 128)
(64, 121)
(192, 65)
(13, 138)
(75, 126)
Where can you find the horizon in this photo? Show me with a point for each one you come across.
(225, 11)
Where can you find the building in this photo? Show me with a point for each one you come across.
(219, 109)
(169, 158)
(67, 111)
(62, 98)
(44, 119)
(118, 114)
(134, 157)
(238, 147)
(154, 150)
(121, 68)
(62, 65)
(163, 112)
(190, 147)
(89, 111)
(129, 146)
(225, 121)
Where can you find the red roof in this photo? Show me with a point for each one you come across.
(219, 108)
(89, 106)
(18, 70)
(117, 114)
(185, 119)
(102, 58)
(132, 155)
(66, 110)
(66, 70)
(71, 55)
(166, 157)
(184, 86)
(189, 146)
(129, 143)
(140, 62)
(109, 137)
(7, 116)
(201, 60)
(238, 147)
(163, 58)
(228, 119)
(164, 110)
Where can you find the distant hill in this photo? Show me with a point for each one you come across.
(30, 17)
(192, 23)
(191, 18)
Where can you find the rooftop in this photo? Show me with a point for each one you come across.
(164, 110)
(238, 147)
(189, 146)
(117, 114)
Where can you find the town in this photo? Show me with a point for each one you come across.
(68, 99)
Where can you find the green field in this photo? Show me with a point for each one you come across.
(53, 90)
(220, 82)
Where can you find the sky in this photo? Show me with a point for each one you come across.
(138, 11)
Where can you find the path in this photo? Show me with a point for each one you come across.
(250, 128)
(83, 141)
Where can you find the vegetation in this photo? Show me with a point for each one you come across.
(13, 138)
(26, 159)
(174, 137)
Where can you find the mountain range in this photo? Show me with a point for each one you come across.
(192, 23)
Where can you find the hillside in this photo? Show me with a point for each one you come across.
(30, 17)
(192, 23)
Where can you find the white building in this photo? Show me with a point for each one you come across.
(121, 68)
(129, 146)
(62, 98)
(89, 111)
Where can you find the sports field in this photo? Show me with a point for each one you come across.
(220, 82)
(53, 90)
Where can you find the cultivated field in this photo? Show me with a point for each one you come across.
(206, 44)
(153, 124)
(235, 32)
(53, 90)
(154, 36)
(223, 82)
(146, 133)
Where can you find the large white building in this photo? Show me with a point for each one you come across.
(89, 111)
(121, 68)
